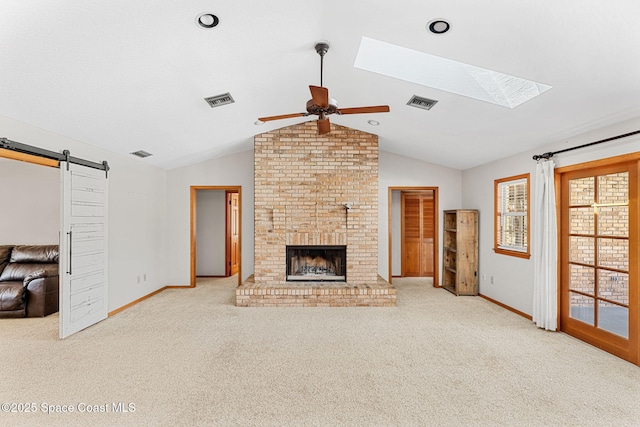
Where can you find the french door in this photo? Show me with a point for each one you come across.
(599, 257)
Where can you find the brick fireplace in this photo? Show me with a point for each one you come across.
(322, 192)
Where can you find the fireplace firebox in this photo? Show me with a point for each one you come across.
(317, 263)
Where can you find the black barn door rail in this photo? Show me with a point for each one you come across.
(61, 157)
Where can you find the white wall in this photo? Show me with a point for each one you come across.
(210, 232)
(30, 207)
(137, 212)
(232, 170)
(398, 171)
(513, 277)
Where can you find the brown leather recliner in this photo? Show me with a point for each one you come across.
(29, 282)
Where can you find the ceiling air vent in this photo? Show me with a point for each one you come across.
(218, 100)
(141, 154)
(419, 102)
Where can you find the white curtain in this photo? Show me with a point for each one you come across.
(545, 250)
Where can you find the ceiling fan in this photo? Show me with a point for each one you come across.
(322, 106)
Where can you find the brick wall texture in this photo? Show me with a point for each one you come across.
(302, 182)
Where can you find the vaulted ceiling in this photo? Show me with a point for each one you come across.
(129, 75)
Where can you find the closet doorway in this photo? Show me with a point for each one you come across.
(215, 232)
(413, 225)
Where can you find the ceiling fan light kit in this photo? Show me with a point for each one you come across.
(322, 105)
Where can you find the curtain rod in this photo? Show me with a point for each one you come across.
(550, 154)
(61, 157)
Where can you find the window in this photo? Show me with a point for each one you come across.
(512, 216)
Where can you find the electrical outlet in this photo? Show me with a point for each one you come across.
(492, 280)
(144, 277)
(484, 277)
(138, 279)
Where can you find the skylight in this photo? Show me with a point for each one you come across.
(445, 74)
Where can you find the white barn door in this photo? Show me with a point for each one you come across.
(83, 248)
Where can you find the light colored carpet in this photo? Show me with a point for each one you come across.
(190, 357)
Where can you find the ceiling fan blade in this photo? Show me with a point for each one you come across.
(324, 126)
(284, 116)
(320, 96)
(360, 110)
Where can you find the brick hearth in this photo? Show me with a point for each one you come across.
(307, 294)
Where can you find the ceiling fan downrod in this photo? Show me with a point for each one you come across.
(322, 48)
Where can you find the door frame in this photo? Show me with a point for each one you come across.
(193, 252)
(436, 239)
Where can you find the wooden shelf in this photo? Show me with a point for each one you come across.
(460, 252)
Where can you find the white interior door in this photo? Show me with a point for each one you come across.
(83, 248)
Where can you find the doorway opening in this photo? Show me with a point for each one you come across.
(413, 232)
(32, 217)
(215, 232)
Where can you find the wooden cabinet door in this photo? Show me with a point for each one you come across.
(418, 232)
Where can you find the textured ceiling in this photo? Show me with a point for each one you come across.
(131, 75)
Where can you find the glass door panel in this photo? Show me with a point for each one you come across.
(582, 250)
(613, 253)
(582, 279)
(581, 221)
(582, 191)
(613, 188)
(613, 318)
(613, 286)
(613, 221)
(581, 307)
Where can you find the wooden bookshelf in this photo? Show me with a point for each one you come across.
(460, 252)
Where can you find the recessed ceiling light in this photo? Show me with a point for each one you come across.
(438, 26)
(207, 20)
(373, 122)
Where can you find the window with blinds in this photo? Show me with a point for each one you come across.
(512, 216)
